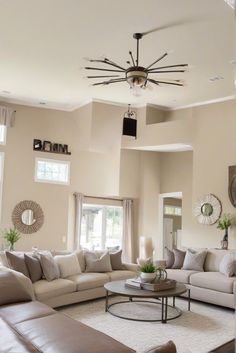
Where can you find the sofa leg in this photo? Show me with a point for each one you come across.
(189, 300)
(106, 301)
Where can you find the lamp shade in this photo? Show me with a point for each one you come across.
(129, 127)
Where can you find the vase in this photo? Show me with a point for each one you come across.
(11, 247)
(224, 242)
(147, 276)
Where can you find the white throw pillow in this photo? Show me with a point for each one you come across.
(68, 265)
(228, 265)
(194, 260)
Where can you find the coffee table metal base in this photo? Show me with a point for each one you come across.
(163, 302)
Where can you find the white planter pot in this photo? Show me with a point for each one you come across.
(148, 277)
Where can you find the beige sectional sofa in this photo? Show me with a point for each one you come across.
(76, 288)
(209, 286)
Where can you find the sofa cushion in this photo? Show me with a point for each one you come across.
(58, 333)
(89, 280)
(15, 313)
(181, 276)
(34, 267)
(97, 263)
(68, 265)
(213, 259)
(116, 262)
(228, 265)
(12, 342)
(179, 258)
(45, 289)
(17, 263)
(11, 289)
(121, 274)
(3, 259)
(169, 257)
(168, 347)
(194, 260)
(49, 267)
(213, 280)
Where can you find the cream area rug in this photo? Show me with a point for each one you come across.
(202, 329)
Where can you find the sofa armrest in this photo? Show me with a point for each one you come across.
(131, 266)
(24, 281)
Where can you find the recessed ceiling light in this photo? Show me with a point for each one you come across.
(42, 103)
(233, 62)
(6, 92)
(216, 78)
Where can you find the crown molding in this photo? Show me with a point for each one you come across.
(211, 101)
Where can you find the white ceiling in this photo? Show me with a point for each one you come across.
(43, 43)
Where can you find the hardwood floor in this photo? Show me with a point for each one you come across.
(226, 348)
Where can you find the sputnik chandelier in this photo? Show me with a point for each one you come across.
(135, 75)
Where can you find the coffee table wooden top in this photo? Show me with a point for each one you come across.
(119, 287)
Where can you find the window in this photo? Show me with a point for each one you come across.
(172, 210)
(52, 171)
(101, 227)
(3, 133)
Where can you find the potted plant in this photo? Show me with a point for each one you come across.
(224, 223)
(148, 272)
(11, 235)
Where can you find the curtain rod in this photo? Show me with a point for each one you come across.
(104, 198)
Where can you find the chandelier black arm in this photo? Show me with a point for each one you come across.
(103, 76)
(100, 69)
(108, 62)
(108, 82)
(167, 67)
(167, 71)
(156, 61)
(165, 82)
(132, 58)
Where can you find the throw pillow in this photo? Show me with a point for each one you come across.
(228, 265)
(96, 263)
(179, 258)
(116, 262)
(34, 267)
(168, 347)
(194, 260)
(49, 267)
(169, 257)
(68, 265)
(12, 290)
(17, 263)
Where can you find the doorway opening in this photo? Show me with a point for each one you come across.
(170, 221)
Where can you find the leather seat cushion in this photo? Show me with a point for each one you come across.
(16, 313)
(213, 280)
(89, 280)
(44, 289)
(59, 333)
(121, 274)
(182, 276)
(11, 342)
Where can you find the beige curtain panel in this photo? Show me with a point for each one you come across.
(7, 116)
(127, 230)
(79, 198)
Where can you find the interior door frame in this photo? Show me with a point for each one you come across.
(160, 249)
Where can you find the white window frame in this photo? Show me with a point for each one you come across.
(2, 143)
(36, 179)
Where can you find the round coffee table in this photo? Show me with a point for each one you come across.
(161, 297)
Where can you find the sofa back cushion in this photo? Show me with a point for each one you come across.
(194, 260)
(11, 289)
(68, 265)
(116, 262)
(49, 267)
(3, 259)
(228, 265)
(17, 263)
(97, 263)
(79, 253)
(34, 267)
(213, 259)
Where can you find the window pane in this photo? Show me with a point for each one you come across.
(91, 227)
(172, 210)
(101, 227)
(2, 134)
(52, 171)
(114, 225)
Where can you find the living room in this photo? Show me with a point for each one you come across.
(62, 149)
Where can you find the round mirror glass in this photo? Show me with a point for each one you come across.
(207, 209)
(27, 217)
